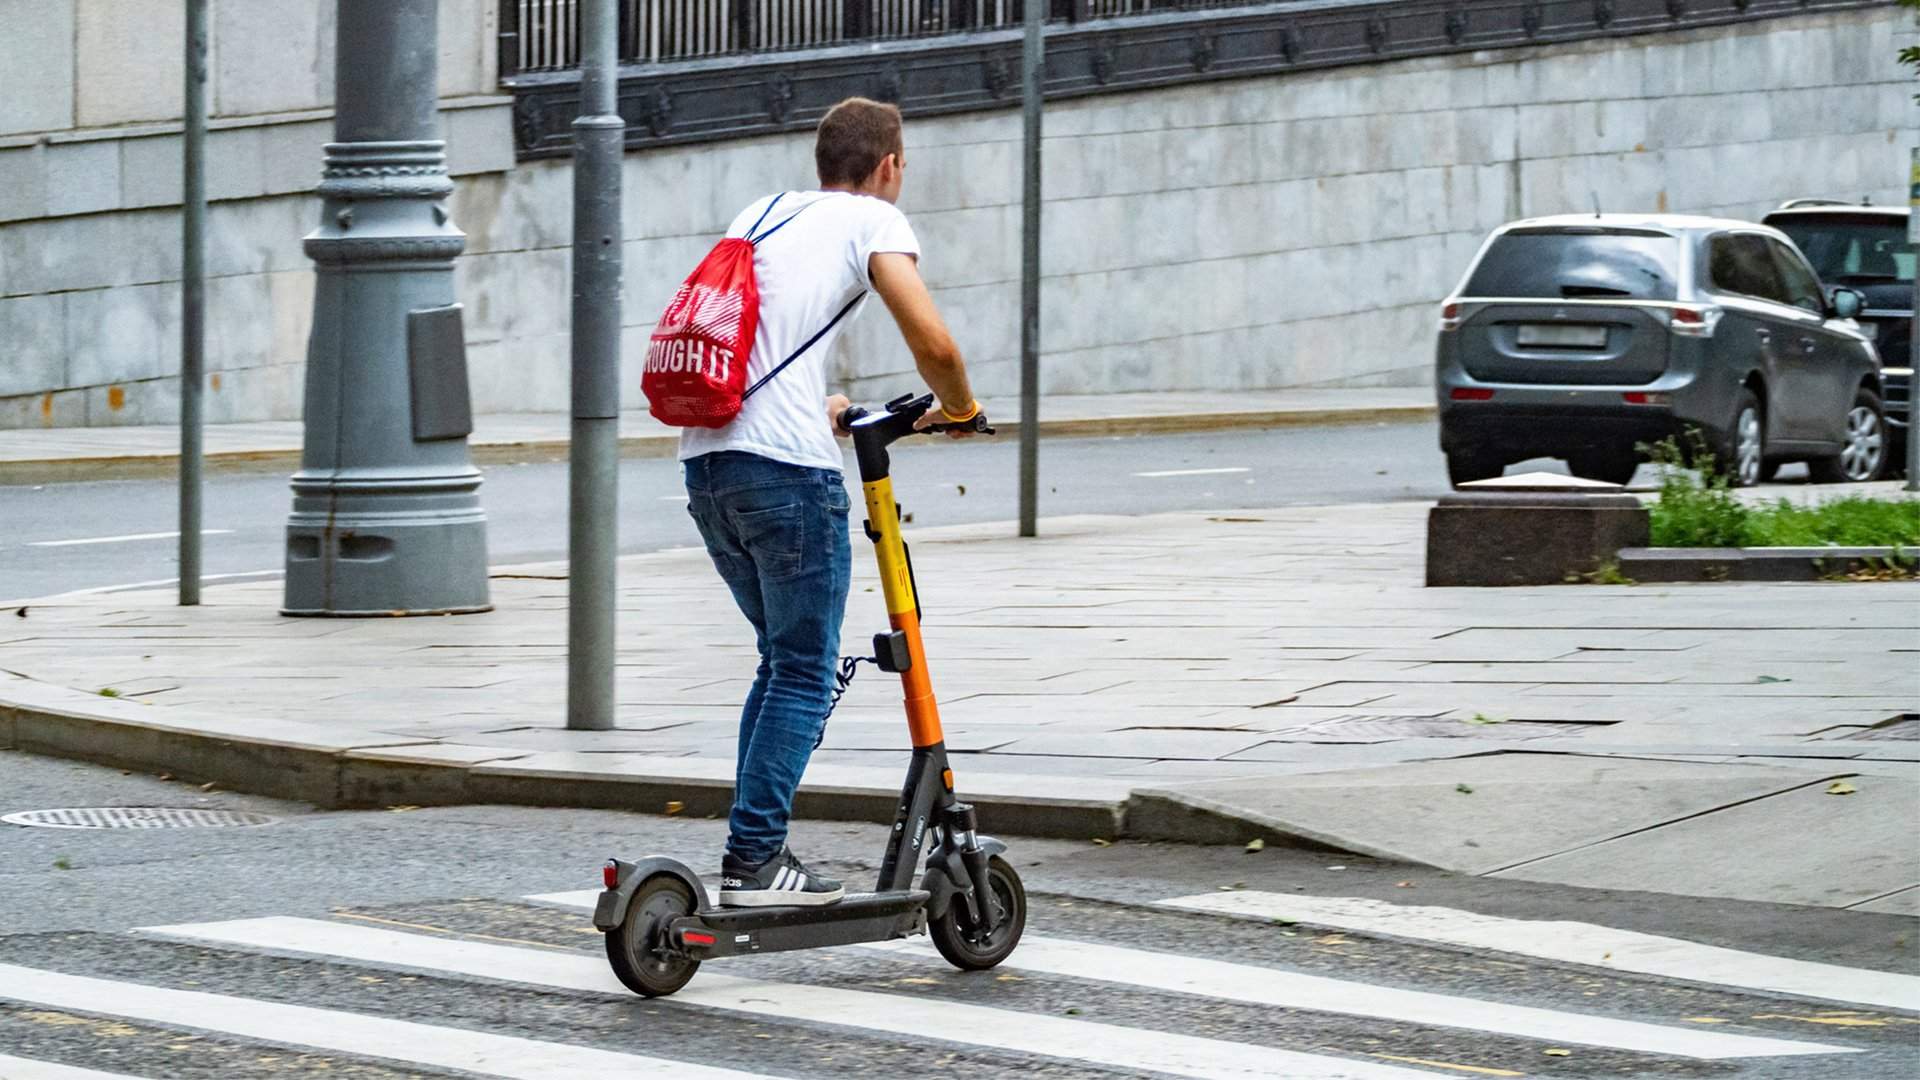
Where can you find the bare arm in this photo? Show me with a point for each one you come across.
(896, 277)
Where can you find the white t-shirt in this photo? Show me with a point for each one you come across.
(806, 272)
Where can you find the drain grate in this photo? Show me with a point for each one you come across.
(136, 817)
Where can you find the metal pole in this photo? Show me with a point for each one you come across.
(1913, 339)
(193, 297)
(386, 515)
(1033, 72)
(599, 139)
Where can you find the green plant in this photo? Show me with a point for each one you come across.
(109, 692)
(1854, 521)
(1696, 509)
(1910, 55)
(1607, 573)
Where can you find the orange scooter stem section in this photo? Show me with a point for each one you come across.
(923, 713)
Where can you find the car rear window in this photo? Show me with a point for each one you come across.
(1569, 264)
(1847, 251)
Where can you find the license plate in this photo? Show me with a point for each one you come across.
(1564, 337)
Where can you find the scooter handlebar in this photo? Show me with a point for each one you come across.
(902, 413)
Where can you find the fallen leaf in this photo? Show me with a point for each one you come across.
(1463, 789)
(1841, 787)
(400, 809)
(1771, 679)
(962, 487)
(1256, 844)
(1483, 718)
(1100, 842)
(21, 611)
(675, 806)
(1331, 939)
(1000, 978)
(1073, 1012)
(208, 786)
(1405, 885)
(1702, 1020)
(1557, 1052)
(917, 980)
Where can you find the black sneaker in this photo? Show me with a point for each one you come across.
(779, 882)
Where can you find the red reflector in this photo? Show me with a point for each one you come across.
(610, 874)
(695, 937)
(1451, 311)
(1471, 393)
(1642, 397)
(1689, 315)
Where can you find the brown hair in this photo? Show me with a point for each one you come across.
(855, 136)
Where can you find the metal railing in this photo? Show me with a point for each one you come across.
(544, 35)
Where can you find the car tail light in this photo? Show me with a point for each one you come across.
(610, 874)
(1449, 317)
(1471, 393)
(1693, 321)
(1645, 397)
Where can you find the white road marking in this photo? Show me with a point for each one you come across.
(19, 1068)
(129, 586)
(121, 539)
(1574, 943)
(1193, 472)
(957, 1022)
(1288, 990)
(1281, 989)
(340, 1032)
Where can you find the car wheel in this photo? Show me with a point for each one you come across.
(1864, 455)
(1613, 467)
(1742, 450)
(1466, 466)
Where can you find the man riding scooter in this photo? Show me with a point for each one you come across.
(765, 489)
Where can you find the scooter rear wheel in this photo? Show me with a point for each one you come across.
(972, 948)
(634, 948)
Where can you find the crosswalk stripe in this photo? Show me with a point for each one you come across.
(1288, 990)
(19, 1068)
(340, 1032)
(1574, 943)
(950, 1021)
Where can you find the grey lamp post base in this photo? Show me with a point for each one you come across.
(386, 513)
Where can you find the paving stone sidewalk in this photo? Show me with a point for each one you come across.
(43, 455)
(1280, 674)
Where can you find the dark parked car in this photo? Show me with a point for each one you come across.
(1866, 248)
(1583, 337)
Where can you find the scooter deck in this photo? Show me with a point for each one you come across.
(856, 917)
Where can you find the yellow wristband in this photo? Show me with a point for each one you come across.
(972, 411)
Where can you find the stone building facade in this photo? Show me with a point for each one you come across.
(1272, 231)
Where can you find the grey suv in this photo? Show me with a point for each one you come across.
(1866, 248)
(1581, 337)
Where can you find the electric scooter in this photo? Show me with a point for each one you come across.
(658, 921)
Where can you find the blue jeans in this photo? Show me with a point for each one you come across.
(778, 535)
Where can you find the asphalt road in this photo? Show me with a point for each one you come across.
(409, 938)
(64, 537)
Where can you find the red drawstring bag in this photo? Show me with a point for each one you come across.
(696, 369)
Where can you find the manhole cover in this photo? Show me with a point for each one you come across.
(136, 817)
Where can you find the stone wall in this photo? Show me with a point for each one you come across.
(1268, 232)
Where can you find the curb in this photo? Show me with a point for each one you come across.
(346, 769)
(165, 466)
(1673, 565)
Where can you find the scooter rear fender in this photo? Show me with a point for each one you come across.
(611, 909)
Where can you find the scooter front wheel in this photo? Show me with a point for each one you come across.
(977, 948)
(636, 947)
